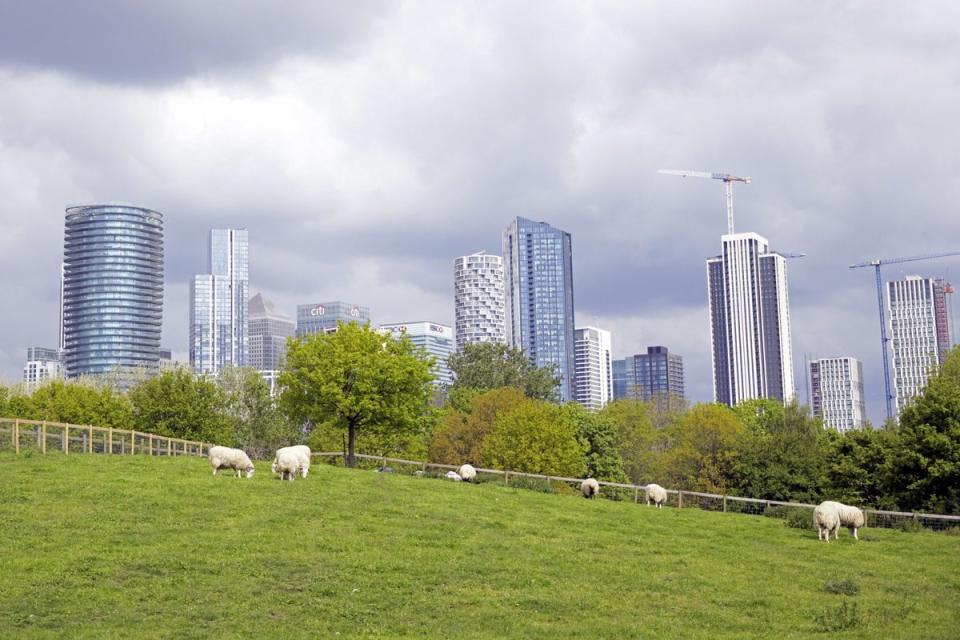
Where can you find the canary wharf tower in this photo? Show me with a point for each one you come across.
(112, 289)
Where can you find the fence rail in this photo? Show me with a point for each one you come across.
(46, 436)
(675, 497)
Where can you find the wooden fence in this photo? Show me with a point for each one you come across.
(45, 436)
(675, 497)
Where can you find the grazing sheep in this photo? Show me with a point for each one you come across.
(453, 475)
(227, 458)
(829, 516)
(302, 452)
(467, 473)
(656, 495)
(589, 488)
(288, 464)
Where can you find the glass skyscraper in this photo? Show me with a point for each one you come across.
(538, 296)
(323, 316)
(654, 376)
(435, 338)
(112, 289)
(218, 305)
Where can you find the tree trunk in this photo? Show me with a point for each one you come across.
(351, 439)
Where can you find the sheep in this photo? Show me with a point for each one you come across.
(467, 473)
(656, 495)
(453, 475)
(302, 452)
(829, 516)
(227, 458)
(589, 488)
(287, 463)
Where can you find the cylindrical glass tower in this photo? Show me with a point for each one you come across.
(112, 289)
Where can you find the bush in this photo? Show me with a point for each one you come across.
(846, 616)
(793, 517)
(909, 526)
(841, 587)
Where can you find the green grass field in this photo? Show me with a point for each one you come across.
(112, 546)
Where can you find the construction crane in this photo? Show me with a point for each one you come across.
(728, 181)
(884, 338)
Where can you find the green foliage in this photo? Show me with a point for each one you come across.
(535, 437)
(705, 445)
(461, 433)
(841, 587)
(258, 426)
(75, 402)
(598, 433)
(859, 468)
(491, 365)
(179, 404)
(840, 618)
(357, 379)
(638, 442)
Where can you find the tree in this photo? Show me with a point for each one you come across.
(78, 402)
(257, 424)
(460, 435)
(926, 458)
(535, 437)
(179, 404)
(598, 433)
(860, 468)
(639, 443)
(356, 379)
(705, 445)
(492, 365)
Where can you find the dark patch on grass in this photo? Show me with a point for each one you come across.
(839, 618)
(841, 587)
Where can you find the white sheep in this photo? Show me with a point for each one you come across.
(302, 452)
(287, 463)
(453, 475)
(589, 488)
(467, 473)
(227, 458)
(656, 495)
(829, 516)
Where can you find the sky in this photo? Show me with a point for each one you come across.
(365, 145)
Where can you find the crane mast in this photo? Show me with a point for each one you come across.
(727, 179)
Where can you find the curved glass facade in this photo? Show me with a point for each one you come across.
(112, 289)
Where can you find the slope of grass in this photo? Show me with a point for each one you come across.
(99, 546)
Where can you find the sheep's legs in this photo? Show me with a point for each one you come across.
(854, 531)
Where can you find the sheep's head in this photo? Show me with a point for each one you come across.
(250, 471)
(303, 472)
(274, 467)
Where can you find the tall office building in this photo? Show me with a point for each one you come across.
(478, 299)
(112, 289)
(749, 321)
(42, 364)
(619, 369)
(323, 316)
(435, 338)
(656, 376)
(919, 333)
(218, 305)
(593, 370)
(836, 386)
(538, 296)
(269, 330)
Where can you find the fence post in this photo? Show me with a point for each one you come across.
(169, 451)
(90, 443)
(506, 478)
(724, 504)
(110, 441)
(636, 495)
(150, 441)
(680, 500)
(133, 441)
(43, 437)
(66, 440)
(16, 436)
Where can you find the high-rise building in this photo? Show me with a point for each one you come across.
(478, 299)
(656, 376)
(538, 296)
(836, 386)
(323, 316)
(112, 289)
(42, 364)
(592, 367)
(619, 369)
(218, 305)
(919, 333)
(269, 330)
(435, 338)
(749, 321)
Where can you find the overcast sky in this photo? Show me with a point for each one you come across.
(366, 144)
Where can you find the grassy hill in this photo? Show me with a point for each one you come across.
(131, 546)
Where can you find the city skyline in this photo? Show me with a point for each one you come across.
(349, 196)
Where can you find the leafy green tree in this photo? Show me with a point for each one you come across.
(357, 379)
(860, 472)
(639, 443)
(598, 433)
(491, 365)
(926, 459)
(79, 402)
(258, 426)
(705, 444)
(535, 437)
(460, 435)
(179, 404)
